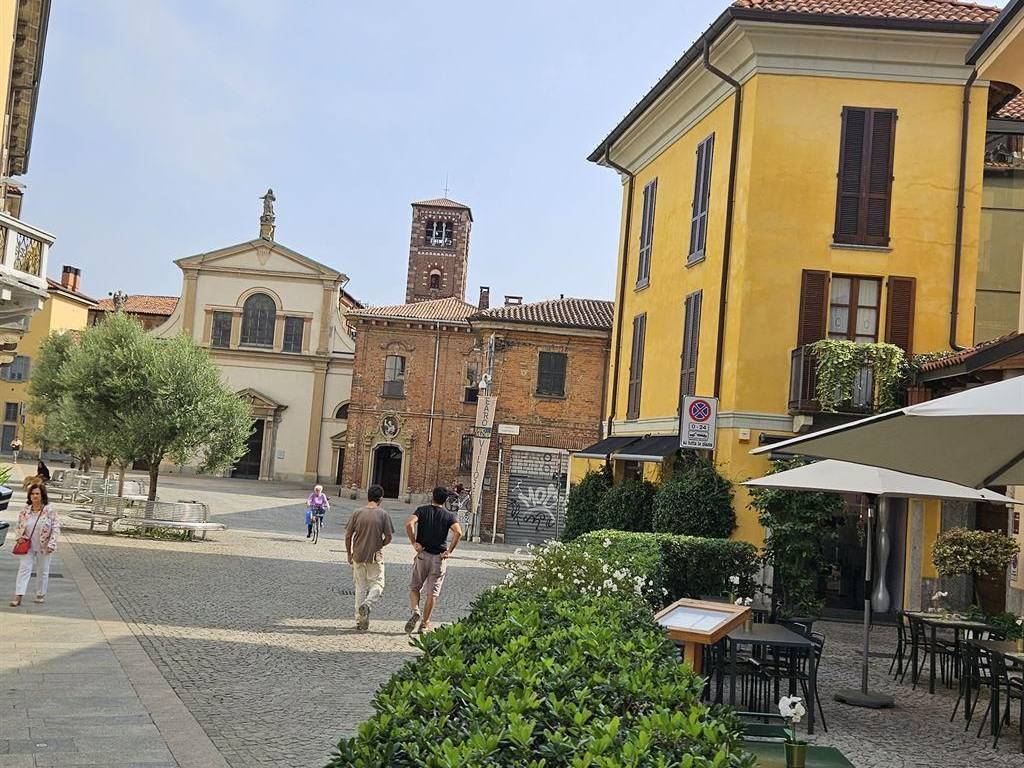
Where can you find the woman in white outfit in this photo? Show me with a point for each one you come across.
(39, 523)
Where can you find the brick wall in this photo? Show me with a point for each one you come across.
(432, 458)
(423, 258)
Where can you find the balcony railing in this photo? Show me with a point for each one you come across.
(803, 386)
(24, 250)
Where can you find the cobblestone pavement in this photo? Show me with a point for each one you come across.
(253, 628)
(917, 733)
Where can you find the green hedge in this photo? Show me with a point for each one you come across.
(627, 506)
(543, 680)
(584, 499)
(678, 566)
(697, 501)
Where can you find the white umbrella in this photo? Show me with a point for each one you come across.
(876, 483)
(973, 438)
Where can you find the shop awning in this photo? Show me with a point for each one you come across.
(650, 448)
(602, 448)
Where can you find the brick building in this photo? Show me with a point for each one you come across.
(547, 370)
(151, 311)
(438, 250)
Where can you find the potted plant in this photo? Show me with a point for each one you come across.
(964, 552)
(793, 710)
(748, 623)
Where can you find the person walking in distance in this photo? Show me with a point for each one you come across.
(428, 530)
(369, 530)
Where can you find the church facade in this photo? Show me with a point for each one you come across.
(274, 323)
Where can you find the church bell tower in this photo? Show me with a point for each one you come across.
(438, 250)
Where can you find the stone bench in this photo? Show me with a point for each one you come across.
(142, 514)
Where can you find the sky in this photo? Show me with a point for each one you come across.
(161, 123)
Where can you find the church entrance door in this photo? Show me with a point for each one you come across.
(249, 465)
(387, 469)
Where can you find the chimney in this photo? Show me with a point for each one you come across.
(70, 278)
(513, 301)
(485, 298)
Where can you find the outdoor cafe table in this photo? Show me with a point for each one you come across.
(1008, 650)
(936, 620)
(772, 754)
(774, 636)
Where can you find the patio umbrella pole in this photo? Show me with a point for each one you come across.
(863, 697)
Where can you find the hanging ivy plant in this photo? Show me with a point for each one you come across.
(840, 362)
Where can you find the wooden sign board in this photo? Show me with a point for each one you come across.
(695, 623)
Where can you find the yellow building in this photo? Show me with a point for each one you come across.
(801, 173)
(66, 309)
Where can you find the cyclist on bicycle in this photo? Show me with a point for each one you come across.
(317, 504)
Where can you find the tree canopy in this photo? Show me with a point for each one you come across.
(116, 392)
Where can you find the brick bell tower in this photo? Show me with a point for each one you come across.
(438, 250)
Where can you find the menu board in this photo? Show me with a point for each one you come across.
(700, 621)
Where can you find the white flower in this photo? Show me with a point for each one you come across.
(607, 543)
(744, 601)
(938, 596)
(1020, 621)
(792, 708)
(734, 580)
(664, 591)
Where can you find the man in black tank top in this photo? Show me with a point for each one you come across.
(428, 530)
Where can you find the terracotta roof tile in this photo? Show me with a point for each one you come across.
(451, 309)
(55, 285)
(964, 355)
(142, 304)
(568, 313)
(926, 10)
(441, 202)
(1013, 109)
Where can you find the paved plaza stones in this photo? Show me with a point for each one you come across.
(241, 650)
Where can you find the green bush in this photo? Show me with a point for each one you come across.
(538, 680)
(674, 566)
(627, 506)
(697, 501)
(584, 499)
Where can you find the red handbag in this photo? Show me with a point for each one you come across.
(24, 544)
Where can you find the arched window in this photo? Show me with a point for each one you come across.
(258, 321)
(435, 280)
(342, 412)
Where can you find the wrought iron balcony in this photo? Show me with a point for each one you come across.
(24, 251)
(803, 386)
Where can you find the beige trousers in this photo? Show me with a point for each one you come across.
(369, 579)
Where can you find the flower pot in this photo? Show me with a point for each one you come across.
(748, 625)
(796, 754)
(1020, 645)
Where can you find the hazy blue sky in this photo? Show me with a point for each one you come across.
(161, 123)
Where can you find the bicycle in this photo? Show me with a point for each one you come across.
(317, 519)
(458, 502)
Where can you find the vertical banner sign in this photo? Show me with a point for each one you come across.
(697, 422)
(481, 447)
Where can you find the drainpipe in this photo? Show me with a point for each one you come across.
(622, 286)
(730, 205)
(965, 119)
(433, 386)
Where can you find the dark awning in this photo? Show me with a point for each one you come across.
(602, 448)
(651, 448)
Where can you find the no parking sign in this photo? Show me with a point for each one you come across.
(697, 425)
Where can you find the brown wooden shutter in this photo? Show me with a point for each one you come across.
(879, 176)
(864, 189)
(899, 313)
(811, 326)
(647, 232)
(851, 164)
(701, 197)
(691, 344)
(636, 367)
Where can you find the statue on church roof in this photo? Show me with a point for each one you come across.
(267, 219)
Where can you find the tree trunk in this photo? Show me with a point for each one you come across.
(120, 478)
(154, 475)
(106, 469)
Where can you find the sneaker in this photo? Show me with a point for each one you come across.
(363, 621)
(410, 625)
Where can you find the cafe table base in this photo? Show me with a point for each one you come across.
(855, 697)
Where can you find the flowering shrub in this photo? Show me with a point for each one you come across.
(545, 679)
(960, 551)
(658, 567)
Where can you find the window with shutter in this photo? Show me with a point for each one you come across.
(691, 342)
(899, 315)
(853, 308)
(646, 234)
(636, 366)
(701, 199)
(813, 300)
(551, 373)
(864, 190)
